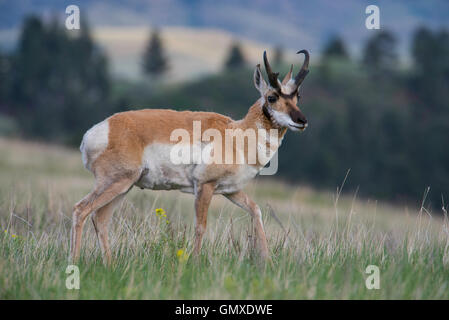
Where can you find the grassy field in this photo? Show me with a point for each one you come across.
(320, 243)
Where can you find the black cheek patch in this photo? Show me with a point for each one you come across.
(265, 112)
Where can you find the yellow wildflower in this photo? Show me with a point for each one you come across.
(14, 236)
(160, 212)
(182, 255)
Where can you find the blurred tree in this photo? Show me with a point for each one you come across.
(235, 57)
(60, 83)
(155, 62)
(278, 56)
(430, 84)
(4, 81)
(379, 53)
(333, 54)
(430, 52)
(335, 48)
(423, 51)
(443, 40)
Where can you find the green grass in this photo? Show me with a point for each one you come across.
(322, 254)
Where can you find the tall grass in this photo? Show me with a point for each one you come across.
(321, 243)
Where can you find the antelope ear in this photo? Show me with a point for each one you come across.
(259, 81)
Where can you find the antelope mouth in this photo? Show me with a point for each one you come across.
(298, 127)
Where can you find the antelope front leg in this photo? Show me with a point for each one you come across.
(202, 200)
(243, 201)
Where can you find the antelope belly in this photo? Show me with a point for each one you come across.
(161, 173)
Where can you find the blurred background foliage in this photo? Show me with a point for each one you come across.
(389, 125)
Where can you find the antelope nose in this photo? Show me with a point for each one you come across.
(301, 119)
(298, 117)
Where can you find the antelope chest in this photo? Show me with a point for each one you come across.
(237, 180)
(161, 173)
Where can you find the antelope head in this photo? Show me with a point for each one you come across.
(279, 99)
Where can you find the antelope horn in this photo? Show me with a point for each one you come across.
(272, 77)
(304, 69)
(288, 76)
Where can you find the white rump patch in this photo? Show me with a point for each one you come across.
(94, 142)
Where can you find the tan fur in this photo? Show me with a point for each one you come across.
(130, 132)
(202, 201)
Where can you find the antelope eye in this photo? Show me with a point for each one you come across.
(272, 99)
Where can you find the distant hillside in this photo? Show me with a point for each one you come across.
(291, 23)
(193, 52)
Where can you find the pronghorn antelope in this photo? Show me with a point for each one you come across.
(133, 148)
